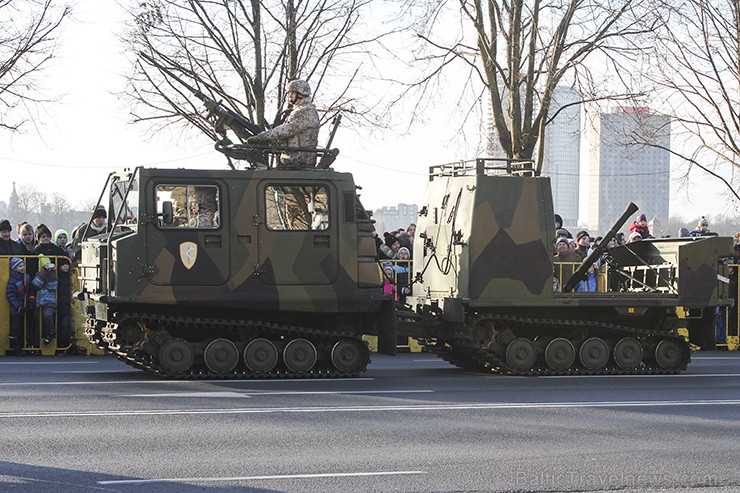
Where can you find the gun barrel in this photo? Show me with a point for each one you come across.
(580, 273)
(242, 127)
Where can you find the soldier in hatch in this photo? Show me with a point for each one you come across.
(301, 128)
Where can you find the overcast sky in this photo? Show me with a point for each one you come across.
(86, 135)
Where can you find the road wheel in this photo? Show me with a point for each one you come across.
(628, 353)
(594, 353)
(560, 354)
(221, 356)
(670, 354)
(261, 355)
(521, 354)
(299, 355)
(349, 355)
(176, 355)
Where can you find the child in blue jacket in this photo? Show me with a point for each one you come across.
(46, 283)
(20, 301)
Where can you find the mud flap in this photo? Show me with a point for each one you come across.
(387, 329)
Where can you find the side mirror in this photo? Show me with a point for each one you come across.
(167, 214)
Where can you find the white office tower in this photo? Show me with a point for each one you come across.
(627, 167)
(563, 154)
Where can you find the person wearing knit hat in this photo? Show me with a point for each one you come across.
(45, 281)
(96, 226)
(702, 228)
(20, 301)
(48, 251)
(61, 239)
(389, 247)
(634, 236)
(99, 212)
(641, 226)
(42, 230)
(563, 252)
(8, 246)
(583, 240)
(17, 263)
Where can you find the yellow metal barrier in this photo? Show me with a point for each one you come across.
(78, 340)
(562, 271)
(730, 315)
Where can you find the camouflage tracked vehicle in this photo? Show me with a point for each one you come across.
(257, 273)
(489, 300)
(270, 272)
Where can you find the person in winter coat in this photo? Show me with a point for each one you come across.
(641, 226)
(45, 247)
(19, 293)
(8, 246)
(45, 281)
(84, 231)
(26, 239)
(389, 248)
(389, 278)
(62, 240)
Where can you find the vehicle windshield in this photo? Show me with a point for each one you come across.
(124, 194)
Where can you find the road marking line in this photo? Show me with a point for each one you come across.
(261, 478)
(695, 358)
(163, 381)
(374, 409)
(258, 394)
(684, 375)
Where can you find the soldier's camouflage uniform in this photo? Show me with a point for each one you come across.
(301, 129)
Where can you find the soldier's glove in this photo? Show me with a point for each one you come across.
(253, 140)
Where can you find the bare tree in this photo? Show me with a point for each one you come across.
(512, 55)
(696, 66)
(243, 52)
(30, 201)
(28, 41)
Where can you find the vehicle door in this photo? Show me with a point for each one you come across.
(298, 237)
(188, 234)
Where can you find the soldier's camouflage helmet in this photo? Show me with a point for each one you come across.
(300, 86)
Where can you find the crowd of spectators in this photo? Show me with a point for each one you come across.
(395, 252)
(567, 249)
(39, 290)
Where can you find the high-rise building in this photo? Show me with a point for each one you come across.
(562, 151)
(626, 166)
(562, 154)
(392, 217)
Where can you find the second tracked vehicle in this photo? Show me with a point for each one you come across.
(491, 297)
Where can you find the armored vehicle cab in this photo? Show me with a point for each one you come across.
(492, 297)
(256, 272)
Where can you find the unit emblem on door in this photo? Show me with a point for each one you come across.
(188, 253)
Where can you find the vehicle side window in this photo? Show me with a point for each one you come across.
(193, 206)
(297, 207)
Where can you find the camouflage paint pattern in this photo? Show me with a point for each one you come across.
(485, 240)
(500, 250)
(242, 264)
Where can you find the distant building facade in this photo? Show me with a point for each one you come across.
(389, 218)
(626, 167)
(562, 154)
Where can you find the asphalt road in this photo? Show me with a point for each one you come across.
(411, 424)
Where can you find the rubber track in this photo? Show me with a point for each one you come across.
(465, 353)
(139, 359)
